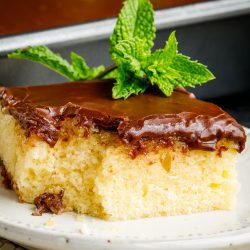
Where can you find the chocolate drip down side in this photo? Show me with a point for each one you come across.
(184, 127)
(42, 109)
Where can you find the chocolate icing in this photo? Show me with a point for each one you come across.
(41, 110)
(48, 203)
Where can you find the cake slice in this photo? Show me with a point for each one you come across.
(71, 147)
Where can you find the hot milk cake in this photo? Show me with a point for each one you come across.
(71, 147)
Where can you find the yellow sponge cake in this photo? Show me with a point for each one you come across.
(70, 147)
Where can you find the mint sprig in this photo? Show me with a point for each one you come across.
(78, 70)
(136, 67)
(46, 57)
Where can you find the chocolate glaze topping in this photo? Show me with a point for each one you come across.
(41, 110)
(49, 203)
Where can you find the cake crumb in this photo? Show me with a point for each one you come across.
(80, 217)
(84, 229)
(49, 223)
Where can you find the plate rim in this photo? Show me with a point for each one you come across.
(242, 237)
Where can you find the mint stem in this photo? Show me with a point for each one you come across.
(106, 71)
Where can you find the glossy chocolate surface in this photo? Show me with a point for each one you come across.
(42, 109)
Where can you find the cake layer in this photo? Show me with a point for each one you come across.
(41, 109)
(95, 174)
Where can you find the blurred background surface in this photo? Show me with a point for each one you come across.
(29, 15)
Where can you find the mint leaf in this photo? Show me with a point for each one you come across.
(130, 53)
(79, 65)
(191, 73)
(136, 19)
(169, 69)
(164, 56)
(83, 70)
(79, 70)
(171, 47)
(126, 84)
(163, 77)
(111, 75)
(46, 57)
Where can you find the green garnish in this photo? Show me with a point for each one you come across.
(136, 67)
(76, 71)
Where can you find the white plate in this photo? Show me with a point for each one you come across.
(213, 230)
